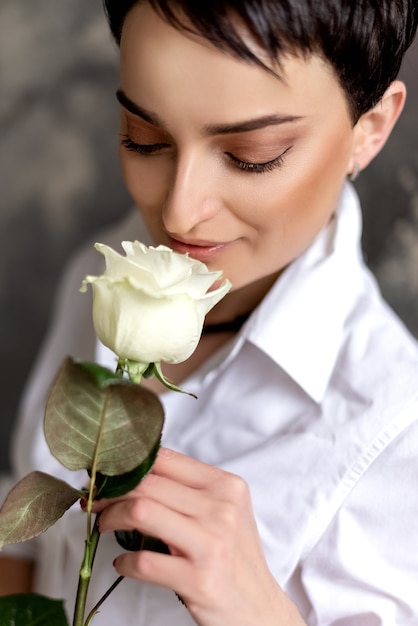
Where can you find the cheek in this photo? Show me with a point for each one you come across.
(313, 186)
(326, 171)
(288, 209)
(144, 179)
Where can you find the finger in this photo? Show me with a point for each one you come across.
(185, 469)
(176, 496)
(215, 484)
(169, 571)
(154, 519)
(174, 465)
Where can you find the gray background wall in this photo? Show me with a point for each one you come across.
(60, 179)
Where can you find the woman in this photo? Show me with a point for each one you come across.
(288, 492)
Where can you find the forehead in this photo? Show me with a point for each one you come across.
(163, 65)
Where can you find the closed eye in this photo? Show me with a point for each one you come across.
(142, 148)
(258, 168)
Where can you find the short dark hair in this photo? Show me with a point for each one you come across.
(363, 40)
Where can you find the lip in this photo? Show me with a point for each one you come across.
(199, 250)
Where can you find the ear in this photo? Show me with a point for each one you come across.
(374, 127)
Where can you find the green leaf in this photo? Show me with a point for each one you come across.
(33, 505)
(134, 541)
(115, 486)
(101, 375)
(119, 425)
(31, 609)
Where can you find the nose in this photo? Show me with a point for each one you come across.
(193, 194)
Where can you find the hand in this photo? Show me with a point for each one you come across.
(216, 562)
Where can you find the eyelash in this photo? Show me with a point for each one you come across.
(246, 166)
(146, 148)
(259, 168)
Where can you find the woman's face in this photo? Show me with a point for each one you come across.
(225, 161)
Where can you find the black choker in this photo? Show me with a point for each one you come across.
(233, 326)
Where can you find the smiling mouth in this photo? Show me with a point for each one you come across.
(200, 251)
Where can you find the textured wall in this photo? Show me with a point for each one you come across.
(59, 175)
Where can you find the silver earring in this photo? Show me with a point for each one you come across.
(354, 174)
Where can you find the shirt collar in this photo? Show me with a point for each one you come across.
(300, 323)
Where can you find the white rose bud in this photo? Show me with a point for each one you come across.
(149, 306)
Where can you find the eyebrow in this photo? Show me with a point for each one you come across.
(137, 110)
(210, 129)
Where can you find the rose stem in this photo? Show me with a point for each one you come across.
(85, 574)
(102, 599)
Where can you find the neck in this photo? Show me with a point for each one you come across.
(239, 303)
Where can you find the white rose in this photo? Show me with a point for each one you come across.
(149, 306)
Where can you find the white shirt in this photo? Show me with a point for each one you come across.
(315, 404)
